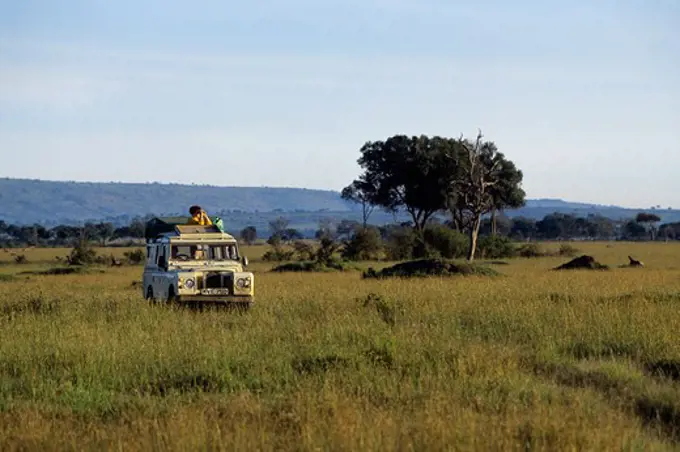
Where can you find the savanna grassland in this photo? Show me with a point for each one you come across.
(531, 359)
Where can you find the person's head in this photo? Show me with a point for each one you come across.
(195, 210)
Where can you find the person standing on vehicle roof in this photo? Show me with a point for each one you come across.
(199, 217)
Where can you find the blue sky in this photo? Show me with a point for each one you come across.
(583, 95)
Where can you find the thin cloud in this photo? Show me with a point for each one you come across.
(47, 87)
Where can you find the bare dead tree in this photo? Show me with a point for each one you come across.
(471, 191)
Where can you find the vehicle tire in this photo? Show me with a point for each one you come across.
(172, 298)
(149, 295)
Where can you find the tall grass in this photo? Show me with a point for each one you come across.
(537, 359)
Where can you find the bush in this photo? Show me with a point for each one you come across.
(325, 255)
(567, 250)
(82, 254)
(20, 259)
(446, 242)
(278, 255)
(106, 260)
(495, 247)
(400, 244)
(365, 244)
(304, 251)
(135, 257)
(531, 250)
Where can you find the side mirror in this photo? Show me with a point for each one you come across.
(244, 260)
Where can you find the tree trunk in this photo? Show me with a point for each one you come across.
(457, 220)
(420, 248)
(493, 223)
(474, 233)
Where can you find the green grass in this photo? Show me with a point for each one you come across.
(536, 359)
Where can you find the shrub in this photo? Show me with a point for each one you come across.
(325, 255)
(303, 250)
(82, 254)
(365, 244)
(446, 242)
(20, 259)
(400, 244)
(278, 255)
(103, 260)
(567, 250)
(135, 257)
(531, 250)
(496, 247)
(438, 241)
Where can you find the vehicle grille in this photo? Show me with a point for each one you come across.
(217, 281)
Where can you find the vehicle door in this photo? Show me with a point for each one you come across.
(160, 276)
(150, 268)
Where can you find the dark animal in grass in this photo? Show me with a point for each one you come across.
(584, 262)
(635, 262)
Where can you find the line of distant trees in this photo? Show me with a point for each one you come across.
(560, 226)
(103, 233)
(556, 226)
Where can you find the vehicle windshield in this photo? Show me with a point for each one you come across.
(204, 252)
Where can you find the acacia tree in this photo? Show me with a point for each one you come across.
(648, 220)
(482, 180)
(404, 173)
(358, 192)
(249, 234)
(278, 227)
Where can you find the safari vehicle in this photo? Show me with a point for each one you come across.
(197, 264)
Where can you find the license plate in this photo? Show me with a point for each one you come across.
(215, 292)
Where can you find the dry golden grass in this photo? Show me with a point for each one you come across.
(532, 359)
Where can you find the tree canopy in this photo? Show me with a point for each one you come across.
(424, 175)
(404, 173)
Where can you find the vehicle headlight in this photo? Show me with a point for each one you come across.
(189, 283)
(242, 283)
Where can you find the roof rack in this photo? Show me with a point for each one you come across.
(196, 229)
(158, 226)
(162, 225)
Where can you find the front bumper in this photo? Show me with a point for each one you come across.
(217, 299)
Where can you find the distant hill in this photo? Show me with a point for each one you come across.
(31, 201)
(24, 201)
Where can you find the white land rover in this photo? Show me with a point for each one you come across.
(190, 263)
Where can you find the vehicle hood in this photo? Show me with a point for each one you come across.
(208, 266)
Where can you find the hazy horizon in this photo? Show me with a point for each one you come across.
(532, 198)
(584, 98)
